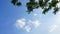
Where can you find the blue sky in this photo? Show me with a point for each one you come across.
(15, 20)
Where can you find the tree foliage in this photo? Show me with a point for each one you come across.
(46, 5)
(16, 2)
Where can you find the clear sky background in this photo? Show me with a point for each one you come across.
(15, 20)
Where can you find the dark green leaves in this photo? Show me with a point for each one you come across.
(46, 1)
(54, 2)
(45, 10)
(18, 4)
(56, 10)
(44, 4)
(41, 3)
(32, 0)
(15, 2)
(31, 5)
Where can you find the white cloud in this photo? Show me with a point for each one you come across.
(53, 27)
(36, 23)
(29, 22)
(35, 14)
(20, 23)
(28, 28)
(58, 4)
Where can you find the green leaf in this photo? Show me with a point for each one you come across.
(18, 4)
(45, 10)
(56, 10)
(14, 2)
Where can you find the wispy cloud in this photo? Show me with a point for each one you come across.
(53, 27)
(20, 23)
(58, 4)
(36, 23)
(28, 28)
(35, 14)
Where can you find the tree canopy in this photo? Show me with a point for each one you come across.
(46, 5)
